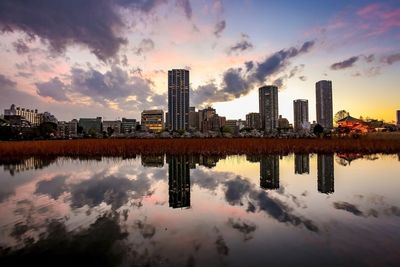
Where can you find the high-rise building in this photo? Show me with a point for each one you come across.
(179, 181)
(178, 99)
(398, 118)
(253, 120)
(300, 108)
(325, 174)
(301, 163)
(269, 172)
(153, 120)
(323, 92)
(268, 107)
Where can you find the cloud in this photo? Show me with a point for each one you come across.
(6, 83)
(391, 59)
(146, 45)
(240, 81)
(53, 88)
(219, 28)
(186, 7)
(241, 45)
(348, 63)
(20, 47)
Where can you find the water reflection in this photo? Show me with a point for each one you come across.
(201, 210)
(326, 175)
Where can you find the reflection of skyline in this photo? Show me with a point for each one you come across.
(153, 160)
(179, 181)
(269, 171)
(326, 173)
(27, 164)
(301, 163)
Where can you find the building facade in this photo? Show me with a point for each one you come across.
(253, 120)
(178, 99)
(30, 115)
(300, 118)
(128, 125)
(268, 107)
(90, 125)
(153, 120)
(323, 93)
(114, 125)
(194, 119)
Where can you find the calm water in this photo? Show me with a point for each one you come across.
(202, 211)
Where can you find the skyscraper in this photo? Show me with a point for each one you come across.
(268, 105)
(325, 174)
(398, 118)
(300, 108)
(269, 172)
(323, 92)
(178, 99)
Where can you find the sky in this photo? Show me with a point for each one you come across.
(110, 58)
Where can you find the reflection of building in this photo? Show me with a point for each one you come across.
(153, 120)
(179, 181)
(178, 99)
(324, 104)
(26, 164)
(268, 107)
(253, 120)
(301, 163)
(300, 119)
(90, 125)
(269, 172)
(325, 173)
(153, 160)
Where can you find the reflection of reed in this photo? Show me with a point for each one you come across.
(212, 146)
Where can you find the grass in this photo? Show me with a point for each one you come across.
(216, 146)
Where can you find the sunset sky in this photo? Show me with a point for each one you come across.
(110, 58)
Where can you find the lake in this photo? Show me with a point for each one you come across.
(162, 210)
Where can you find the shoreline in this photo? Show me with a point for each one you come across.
(211, 146)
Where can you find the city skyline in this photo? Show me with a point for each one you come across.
(121, 70)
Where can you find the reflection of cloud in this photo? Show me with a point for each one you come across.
(246, 228)
(147, 230)
(347, 207)
(222, 248)
(53, 187)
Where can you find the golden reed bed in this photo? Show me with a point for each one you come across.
(217, 146)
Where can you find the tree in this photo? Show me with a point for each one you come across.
(318, 130)
(341, 114)
(110, 131)
(47, 129)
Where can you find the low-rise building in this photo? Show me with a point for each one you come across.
(113, 127)
(90, 125)
(253, 120)
(128, 125)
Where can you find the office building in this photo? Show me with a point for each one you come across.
(323, 92)
(128, 125)
(269, 172)
(178, 99)
(268, 107)
(114, 126)
(153, 120)
(300, 118)
(253, 120)
(67, 129)
(179, 181)
(301, 163)
(90, 125)
(283, 124)
(325, 173)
